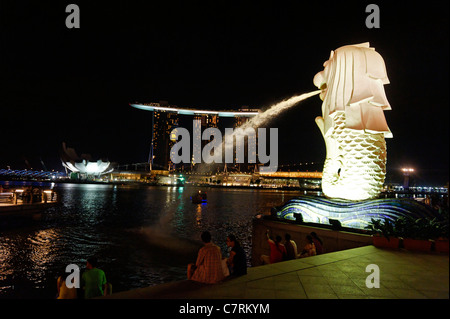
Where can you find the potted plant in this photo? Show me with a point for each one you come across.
(441, 245)
(441, 240)
(419, 236)
(418, 233)
(383, 233)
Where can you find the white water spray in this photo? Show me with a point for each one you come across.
(234, 136)
(267, 115)
(276, 109)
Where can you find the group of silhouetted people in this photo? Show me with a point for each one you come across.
(93, 283)
(211, 268)
(288, 250)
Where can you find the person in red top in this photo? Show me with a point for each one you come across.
(277, 250)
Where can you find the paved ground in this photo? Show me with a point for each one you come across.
(342, 274)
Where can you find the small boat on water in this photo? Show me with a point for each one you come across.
(199, 198)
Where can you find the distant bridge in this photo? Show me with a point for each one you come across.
(317, 175)
(30, 174)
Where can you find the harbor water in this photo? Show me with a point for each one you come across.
(141, 235)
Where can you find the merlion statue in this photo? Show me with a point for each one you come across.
(352, 123)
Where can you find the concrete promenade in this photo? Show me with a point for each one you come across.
(335, 275)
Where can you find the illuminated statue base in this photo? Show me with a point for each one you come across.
(359, 171)
(349, 213)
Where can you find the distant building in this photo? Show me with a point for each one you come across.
(163, 122)
(203, 122)
(246, 166)
(84, 166)
(166, 117)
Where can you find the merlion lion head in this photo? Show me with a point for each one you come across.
(352, 81)
(352, 122)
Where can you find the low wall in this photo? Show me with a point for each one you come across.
(333, 240)
(25, 209)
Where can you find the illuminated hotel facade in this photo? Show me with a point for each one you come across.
(166, 117)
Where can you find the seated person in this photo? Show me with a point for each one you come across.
(237, 260)
(291, 247)
(93, 279)
(317, 243)
(208, 267)
(309, 249)
(277, 250)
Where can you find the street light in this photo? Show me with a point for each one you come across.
(406, 172)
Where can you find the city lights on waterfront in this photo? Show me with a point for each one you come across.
(131, 130)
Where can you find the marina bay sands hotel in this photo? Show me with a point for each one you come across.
(165, 117)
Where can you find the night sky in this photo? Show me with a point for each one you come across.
(75, 85)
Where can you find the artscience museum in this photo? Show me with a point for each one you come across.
(84, 164)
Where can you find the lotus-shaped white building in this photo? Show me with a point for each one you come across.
(83, 164)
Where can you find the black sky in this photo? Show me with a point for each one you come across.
(75, 85)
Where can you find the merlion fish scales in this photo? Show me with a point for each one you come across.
(352, 123)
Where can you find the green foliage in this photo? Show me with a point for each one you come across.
(384, 227)
(420, 228)
(444, 211)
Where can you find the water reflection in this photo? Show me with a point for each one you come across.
(198, 214)
(5, 260)
(42, 248)
(141, 235)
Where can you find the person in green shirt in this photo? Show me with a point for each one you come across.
(93, 280)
